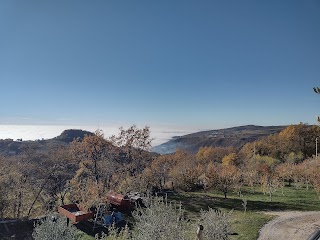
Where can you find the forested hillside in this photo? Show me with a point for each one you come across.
(34, 182)
(230, 137)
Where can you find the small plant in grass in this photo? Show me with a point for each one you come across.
(244, 204)
(54, 229)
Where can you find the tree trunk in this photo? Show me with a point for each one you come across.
(22, 181)
(40, 190)
(19, 203)
(96, 171)
(62, 198)
(35, 199)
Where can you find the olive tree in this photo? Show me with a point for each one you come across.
(54, 229)
(160, 220)
(215, 224)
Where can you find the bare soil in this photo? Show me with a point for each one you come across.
(291, 225)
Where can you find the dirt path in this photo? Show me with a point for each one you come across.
(290, 225)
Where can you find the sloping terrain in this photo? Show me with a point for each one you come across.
(236, 137)
(9, 147)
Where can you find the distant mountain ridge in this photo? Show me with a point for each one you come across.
(9, 147)
(235, 136)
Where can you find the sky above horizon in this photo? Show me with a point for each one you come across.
(167, 64)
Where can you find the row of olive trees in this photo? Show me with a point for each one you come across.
(161, 220)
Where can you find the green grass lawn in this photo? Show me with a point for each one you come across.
(247, 225)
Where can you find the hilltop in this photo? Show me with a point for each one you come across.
(69, 135)
(9, 147)
(235, 136)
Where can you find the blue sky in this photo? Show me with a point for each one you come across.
(203, 64)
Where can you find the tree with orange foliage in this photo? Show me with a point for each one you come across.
(265, 167)
(90, 152)
(295, 140)
(285, 173)
(230, 159)
(222, 177)
(85, 190)
(157, 174)
(95, 166)
(213, 154)
(186, 171)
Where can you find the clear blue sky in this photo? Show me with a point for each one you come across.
(200, 63)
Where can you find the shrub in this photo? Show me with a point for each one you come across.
(161, 221)
(215, 224)
(115, 234)
(54, 229)
(166, 221)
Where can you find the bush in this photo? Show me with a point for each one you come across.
(166, 221)
(54, 229)
(215, 224)
(160, 220)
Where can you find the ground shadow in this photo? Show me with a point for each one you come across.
(194, 203)
(16, 229)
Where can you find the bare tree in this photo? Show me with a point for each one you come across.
(133, 144)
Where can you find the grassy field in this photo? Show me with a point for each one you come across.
(246, 225)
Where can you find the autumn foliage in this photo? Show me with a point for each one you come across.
(34, 182)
